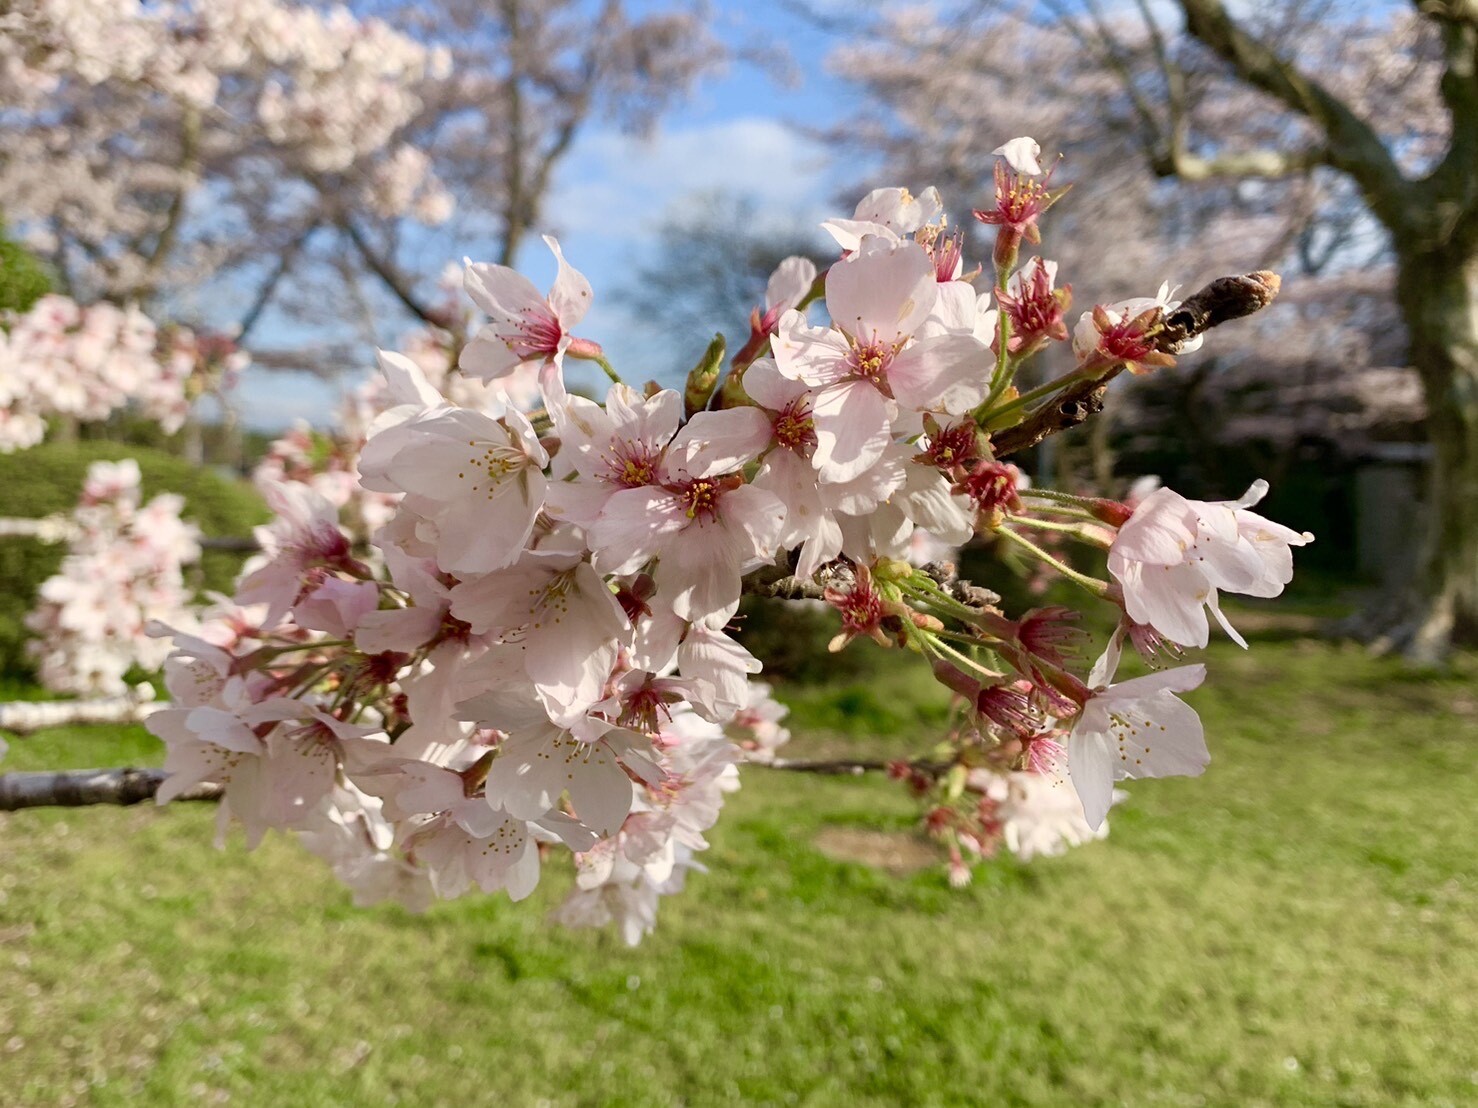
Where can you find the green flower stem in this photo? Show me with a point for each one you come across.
(992, 415)
(1065, 513)
(944, 650)
(1092, 584)
(610, 371)
(932, 594)
(587, 351)
(1084, 502)
(1073, 529)
(1001, 379)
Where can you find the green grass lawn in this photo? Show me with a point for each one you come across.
(1300, 926)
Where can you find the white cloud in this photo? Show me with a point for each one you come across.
(609, 198)
(614, 192)
(618, 186)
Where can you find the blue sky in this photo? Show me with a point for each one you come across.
(739, 132)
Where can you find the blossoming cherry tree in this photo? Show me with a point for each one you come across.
(533, 652)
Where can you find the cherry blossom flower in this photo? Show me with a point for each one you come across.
(891, 214)
(1135, 729)
(1034, 307)
(1039, 814)
(871, 363)
(622, 445)
(1021, 154)
(1020, 202)
(812, 504)
(480, 481)
(337, 607)
(217, 747)
(787, 287)
(1173, 555)
(1127, 332)
(353, 835)
(567, 624)
(123, 573)
(85, 362)
(469, 840)
(539, 763)
(704, 525)
(304, 536)
(610, 888)
(755, 728)
(535, 651)
(523, 327)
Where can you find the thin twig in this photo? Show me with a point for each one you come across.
(853, 767)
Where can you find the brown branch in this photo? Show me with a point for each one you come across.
(268, 287)
(234, 544)
(852, 767)
(1454, 182)
(784, 587)
(1165, 144)
(387, 273)
(525, 196)
(1113, 55)
(1223, 300)
(1353, 145)
(189, 171)
(81, 788)
(1076, 404)
(1248, 163)
(840, 767)
(515, 212)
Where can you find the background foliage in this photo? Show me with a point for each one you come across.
(48, 478)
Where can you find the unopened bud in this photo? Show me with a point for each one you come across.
(703, 377)
(891, 569)
(1112, 512)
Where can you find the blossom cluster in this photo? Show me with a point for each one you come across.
(337, 86)
(328, 461)
(123, 571)
(84, 363)
(271, 88)
(536, 648)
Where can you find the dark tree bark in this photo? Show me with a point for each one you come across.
(1438, 292)
(1433, 224)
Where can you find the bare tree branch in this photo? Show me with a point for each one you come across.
(84, 788)
(840, 767)
(1455, 180)
(268, 287)
(189, 173)
(386, 272)
(852, 767)
(53, 529)
(1248, 163)
(1223, 300)
(48, 530)
(1352, 144)
(784, 587)
(1076, 404)
(80, 788)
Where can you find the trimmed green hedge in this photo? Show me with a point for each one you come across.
(48, 478)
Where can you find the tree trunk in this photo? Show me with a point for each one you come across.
(192, 448)
(1438, 293)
